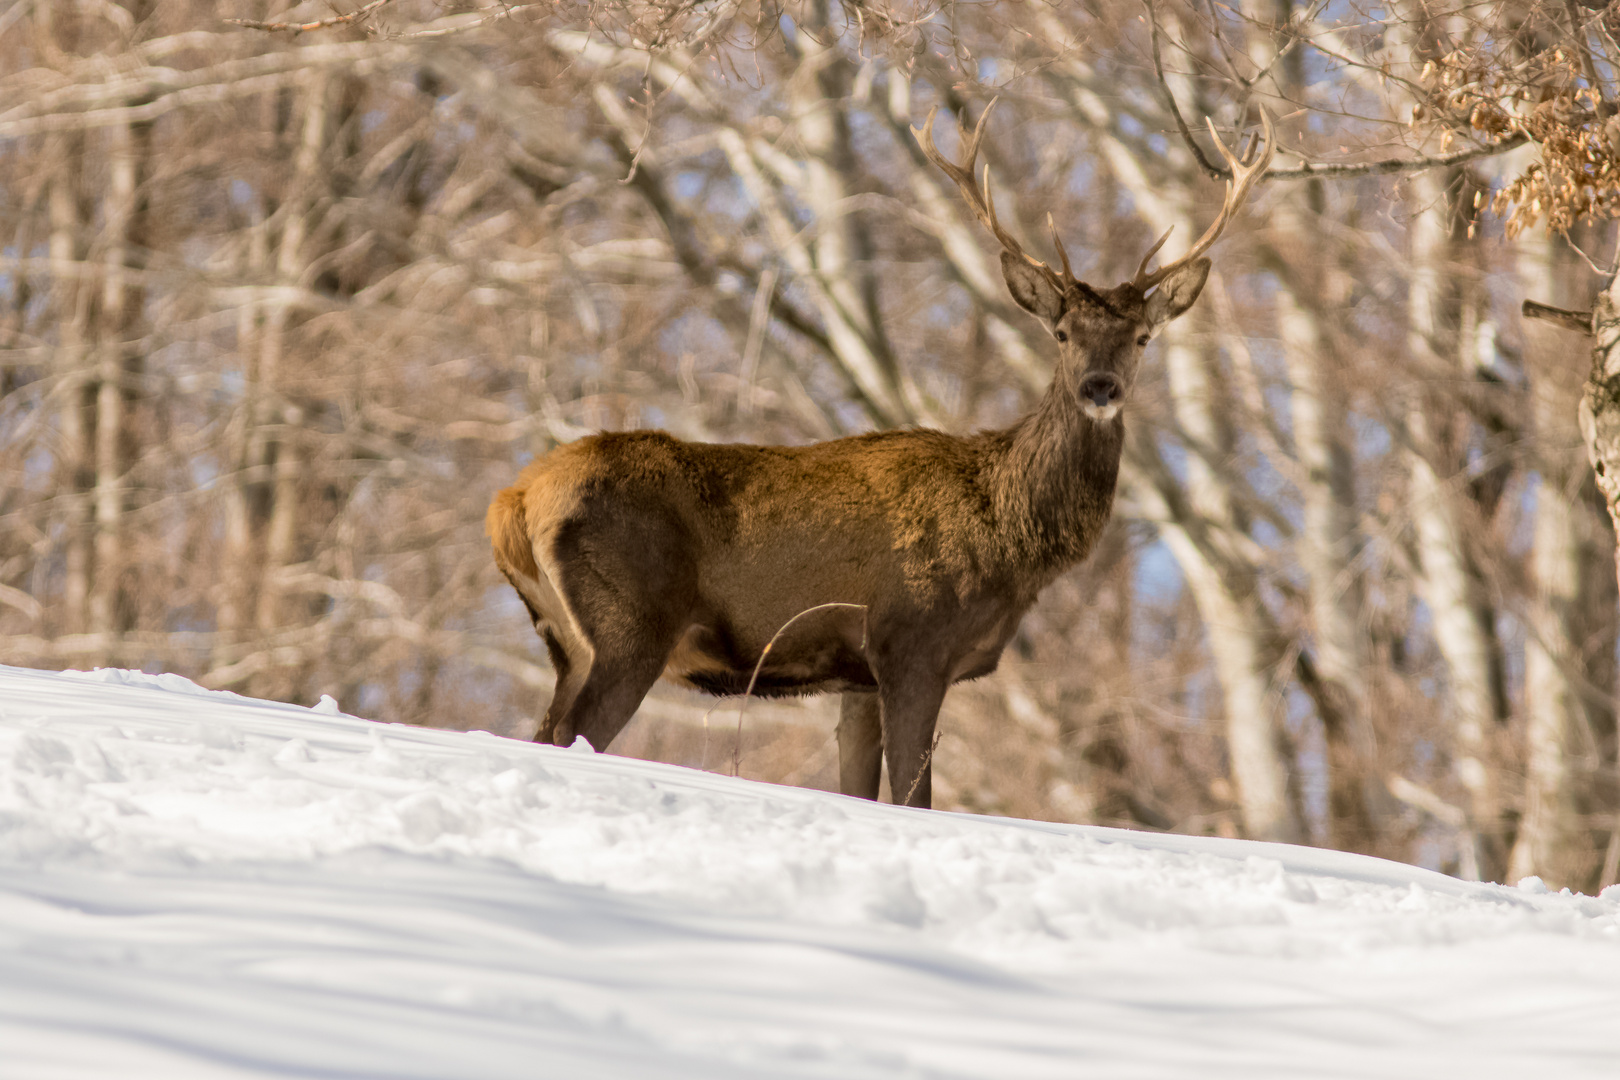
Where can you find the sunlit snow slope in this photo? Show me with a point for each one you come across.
(201, 885)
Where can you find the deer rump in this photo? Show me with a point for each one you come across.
(640, 556)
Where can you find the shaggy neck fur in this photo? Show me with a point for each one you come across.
(1052, 476)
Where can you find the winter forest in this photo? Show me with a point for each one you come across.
(288, 292)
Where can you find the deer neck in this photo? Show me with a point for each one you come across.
(1054, 477)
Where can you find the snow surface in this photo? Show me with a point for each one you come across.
(195, 884)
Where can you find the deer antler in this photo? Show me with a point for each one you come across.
(1244, 175)
(980, 200)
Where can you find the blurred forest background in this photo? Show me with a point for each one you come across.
(281, 309)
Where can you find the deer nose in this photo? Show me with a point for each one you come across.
(1101, 389)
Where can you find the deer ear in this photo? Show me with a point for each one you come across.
(1030, 287)
(1177, 292)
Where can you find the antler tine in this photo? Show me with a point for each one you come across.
(972, 148)
(1244, 176)
(925, 139)
(961, 174)
(987, 203)
(1141, 267)
(978, 197)
(1057, 242)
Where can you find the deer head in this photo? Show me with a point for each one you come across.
(1100, 333)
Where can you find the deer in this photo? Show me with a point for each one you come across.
(884, 567)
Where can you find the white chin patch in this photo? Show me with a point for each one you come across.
(1100, 412)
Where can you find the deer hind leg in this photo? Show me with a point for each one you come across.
(626, 603)
(603, 675)
(570, 676)
(608, 696)
(860, 745)
(570, 654)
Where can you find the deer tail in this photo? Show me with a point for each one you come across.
(509, 534)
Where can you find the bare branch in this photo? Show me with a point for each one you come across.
(1213, 171)
(1578, 321)
(354, 16)
(1311, 170)
(1577, 37)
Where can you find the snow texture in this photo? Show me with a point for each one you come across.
(196, 884)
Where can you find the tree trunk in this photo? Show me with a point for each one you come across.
(1551, 827)
(1599, 412)
(73, 303)
(1464, 623)
(117, 367)
(293, 257)
(244, 497)
(841, 251)
(1228, 597)
(1329, 542)
(1599, 416)
(71, 299)
(1206, 532)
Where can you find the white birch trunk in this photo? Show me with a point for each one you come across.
(245, 439)
(839, 252)
(1328, 542)
(1551, 827)
(1239, 630)
(1236, 627)
(119, 303)
(1449, 583)
(71, 300)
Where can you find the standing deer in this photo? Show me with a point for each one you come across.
(640, 555)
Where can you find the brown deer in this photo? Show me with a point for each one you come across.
(640, 555)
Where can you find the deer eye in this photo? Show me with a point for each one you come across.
(1143, 340)
(1061, 335)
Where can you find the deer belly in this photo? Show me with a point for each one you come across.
(705, 658)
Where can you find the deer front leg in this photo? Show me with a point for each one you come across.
(910, 707)
(860, 745)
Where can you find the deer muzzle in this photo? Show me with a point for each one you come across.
(1101, 395)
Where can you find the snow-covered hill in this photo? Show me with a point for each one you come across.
(201, 885)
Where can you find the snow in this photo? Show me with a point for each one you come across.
(196, 884)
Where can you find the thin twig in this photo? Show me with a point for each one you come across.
(1311, 169)
(926, 759)
(1213, 171)
(504, 11)
(703, 758)
(758, 318)
(736, 753)
(1271, 437)
(1220, 40)
(1596, 269)
(1289, 27)
(298, 28)
(1577, 37)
